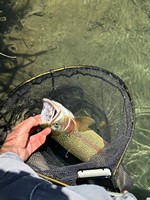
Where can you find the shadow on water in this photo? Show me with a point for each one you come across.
(7, 10)
(9, 17)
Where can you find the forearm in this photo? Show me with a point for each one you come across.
(17, 178)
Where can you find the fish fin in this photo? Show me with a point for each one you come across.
(84, 122)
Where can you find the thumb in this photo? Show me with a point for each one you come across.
(35, 141)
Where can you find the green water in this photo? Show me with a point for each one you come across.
(114, 35)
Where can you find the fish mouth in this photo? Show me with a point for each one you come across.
(50, 111)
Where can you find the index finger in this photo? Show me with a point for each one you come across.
(29, 123)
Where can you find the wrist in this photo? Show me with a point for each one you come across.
(4, 149)
(10, 155)
(21, 152)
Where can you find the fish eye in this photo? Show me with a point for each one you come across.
(56, 125)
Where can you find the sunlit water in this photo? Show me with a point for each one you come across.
(114, 35)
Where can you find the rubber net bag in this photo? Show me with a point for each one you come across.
(85, 91)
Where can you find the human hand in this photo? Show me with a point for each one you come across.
(19, 140)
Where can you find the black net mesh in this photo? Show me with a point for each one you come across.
(84, 90)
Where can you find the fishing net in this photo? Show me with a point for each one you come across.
(85, 91)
